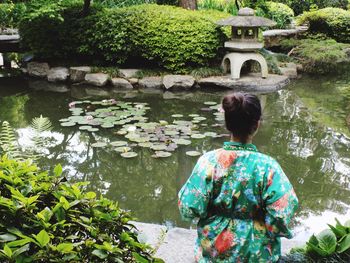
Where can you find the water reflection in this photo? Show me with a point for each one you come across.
(306, 135)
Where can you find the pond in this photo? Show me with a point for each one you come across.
(304, 128)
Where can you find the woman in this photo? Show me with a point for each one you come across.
(242, 197)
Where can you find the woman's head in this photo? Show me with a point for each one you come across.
(242, 114)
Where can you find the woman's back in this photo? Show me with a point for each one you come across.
(244, 202)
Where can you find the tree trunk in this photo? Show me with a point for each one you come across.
(189, 4)
(86, 7)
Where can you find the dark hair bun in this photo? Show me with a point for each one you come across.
(242, 114)
(233, 102)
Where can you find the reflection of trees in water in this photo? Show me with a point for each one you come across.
(12, 110)
(308, 153)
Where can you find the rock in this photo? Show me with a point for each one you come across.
(290, 70)
(96, 79)
(178, 81)
(96, 92)
(134, 81)
(77, 74)
(37, 69)
(151, 82)
(249, 83)
(128, 73)
(121, 83)
(58, 74)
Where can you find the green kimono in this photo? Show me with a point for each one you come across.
(244, 203)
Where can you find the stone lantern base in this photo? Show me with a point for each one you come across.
(234, 61)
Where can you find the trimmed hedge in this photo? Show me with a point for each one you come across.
(43, 218)
(334, 22)
(170, 37)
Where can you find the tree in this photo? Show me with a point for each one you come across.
(87, 4)
(188, 4)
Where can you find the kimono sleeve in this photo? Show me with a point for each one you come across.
(280, 201)
(195, 194)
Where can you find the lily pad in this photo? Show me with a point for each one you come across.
(182, 141)
(99, 144)
(107, 125)
(68, 124)
(85, 127)
(177, 115)
(93, 129)
(210, 103)
(158, 147)
(118, 143)
(122, 149)
(193, 153)
(161, 154)
(197, 136)
(128, 154)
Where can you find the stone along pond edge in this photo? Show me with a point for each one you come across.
(62, 76)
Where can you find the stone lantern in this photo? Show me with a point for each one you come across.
(244, 42)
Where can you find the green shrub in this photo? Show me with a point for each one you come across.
(123, 3)
(169, 37)
(281, 13)
(11, 14)
(320, 56)
(175, 38)
(45, 219)
(334, 22)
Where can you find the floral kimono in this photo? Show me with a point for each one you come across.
(244, 203)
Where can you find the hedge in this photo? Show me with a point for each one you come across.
(282, 14)
(334, 22)
(43, 218)
(169, 37)
(10, 14)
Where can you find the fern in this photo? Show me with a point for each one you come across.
(8, 142)
(39, 125)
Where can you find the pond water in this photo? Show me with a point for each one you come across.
(304, 128)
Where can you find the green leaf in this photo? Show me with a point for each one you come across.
(100, 253)
(7, 251)
(344, 245)
(64, 202)
(43, 238)
(327, 241)
(45, 214)
(57, 170)
(90, 195)
(65, 247)
(20, 242)
(20, 250)
(315, 249)
(338, 232)
(7, 237)
(139, 258)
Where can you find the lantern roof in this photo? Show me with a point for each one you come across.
(246, 18)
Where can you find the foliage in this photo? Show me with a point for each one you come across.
(319, 55)
(278, 12)
(331, 245)
(227, 6)
(11, 14)
(123, 3)
(46, 219)
(306, 5)
(205, 72)
(169, 37)
(8, 141)
(334, 22)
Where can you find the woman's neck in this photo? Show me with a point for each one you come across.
(235, 139)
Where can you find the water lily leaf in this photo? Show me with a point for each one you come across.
(64, 120)
(93, 129)
(122, 149)
(68, 124)
(193, 115)
(128, 154)
(85, 127)
(182, 141)
(99, 144)
(158, 147)
(200, 118)
(161, 154)
(210, 134)
(210, 103)
(145, 144)
(193, 153)
(197, 136)
(177, 115)
(107, 125)
(118, 143)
